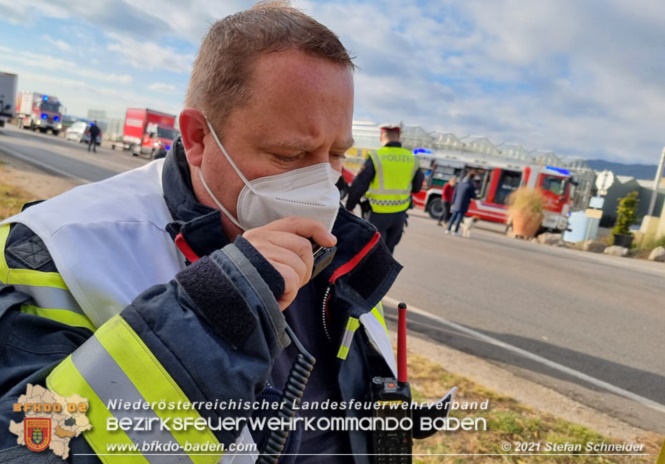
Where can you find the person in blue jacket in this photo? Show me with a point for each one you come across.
(170, 291)
(464, 193)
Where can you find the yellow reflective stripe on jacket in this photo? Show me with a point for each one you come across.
(66, 380)
(377, 311)
(30, 277)
(351, 326)
(63, 316)
(24, 276)
(116, 365)
(51, 298)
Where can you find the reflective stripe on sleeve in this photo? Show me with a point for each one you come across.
(30, 277)
(24, 276)
(59, 315)
(351, 326)
(65, 380)
(115, 364)
(49, 297)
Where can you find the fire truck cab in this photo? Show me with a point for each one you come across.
(495, 181)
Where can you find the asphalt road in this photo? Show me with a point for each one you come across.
(590, 326)
(63, 157)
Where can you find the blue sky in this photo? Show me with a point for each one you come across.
(578, 77)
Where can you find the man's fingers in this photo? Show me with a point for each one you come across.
(304, 227)
(284, 257)
(287, 244)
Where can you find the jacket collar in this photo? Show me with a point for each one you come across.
(362, 260)
(393, 144)
(200, 225)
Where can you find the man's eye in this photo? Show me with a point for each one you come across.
(338, 156)
(287, 159)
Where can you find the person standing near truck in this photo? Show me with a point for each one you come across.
(95, 132)
(446, 200)
(464, 193)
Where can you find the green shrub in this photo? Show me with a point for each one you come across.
(626, 214)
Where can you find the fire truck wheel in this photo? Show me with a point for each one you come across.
(435, 208)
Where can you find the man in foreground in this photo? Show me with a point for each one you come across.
(174, 283)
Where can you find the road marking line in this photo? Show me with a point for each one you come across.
(534, 357)
(43, 167)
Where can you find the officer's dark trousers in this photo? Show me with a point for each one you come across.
(390, 226)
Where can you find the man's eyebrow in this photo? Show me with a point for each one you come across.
(300, 145)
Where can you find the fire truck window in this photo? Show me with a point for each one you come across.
(553, 184)
(508, 182)
(441, 175)
(52, 107)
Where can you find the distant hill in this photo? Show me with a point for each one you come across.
(638, 171)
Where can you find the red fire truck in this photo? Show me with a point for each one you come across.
(39, 111)
(148, 132)
(496, 178)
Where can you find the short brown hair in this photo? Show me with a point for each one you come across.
(221, 73)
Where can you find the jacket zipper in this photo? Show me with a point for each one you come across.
(323, 313)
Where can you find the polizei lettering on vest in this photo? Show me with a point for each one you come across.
(398, 158)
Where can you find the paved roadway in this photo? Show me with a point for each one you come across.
(64, 157)
(590, 326)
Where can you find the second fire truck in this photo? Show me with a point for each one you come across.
(496, 179)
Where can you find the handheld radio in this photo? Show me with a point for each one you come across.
(394, 445)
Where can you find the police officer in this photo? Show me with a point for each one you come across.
(387, 179)
(95, 132)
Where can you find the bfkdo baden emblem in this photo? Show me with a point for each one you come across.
(37, 433)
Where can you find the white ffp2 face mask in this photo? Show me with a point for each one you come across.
(307, 192)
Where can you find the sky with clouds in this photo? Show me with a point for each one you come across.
(581, 78)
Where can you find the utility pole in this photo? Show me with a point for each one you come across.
(659, 176)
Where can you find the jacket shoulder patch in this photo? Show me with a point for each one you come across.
(31, 253)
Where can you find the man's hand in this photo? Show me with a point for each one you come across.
(287, 245)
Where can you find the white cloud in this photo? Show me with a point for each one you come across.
(580, 78)
(18, 12)
(161, 87)
(59, 44)
(80, 95)
(150, 55)
(45, 62)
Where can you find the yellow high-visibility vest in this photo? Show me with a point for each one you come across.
(390, 190)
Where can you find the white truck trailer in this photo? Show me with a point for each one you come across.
(8, 83)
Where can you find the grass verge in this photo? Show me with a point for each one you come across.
(508, 425)
(12, 199)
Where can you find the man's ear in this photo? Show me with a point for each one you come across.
(193, 128)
